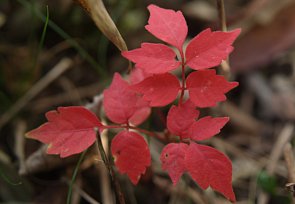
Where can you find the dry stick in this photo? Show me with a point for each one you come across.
(221, 14)
(56, 71)
(82, 193)
(289, 158)
(222, 19)
(283, 138)
(104, 157)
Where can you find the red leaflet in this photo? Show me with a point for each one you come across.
(141, 113)
(131, 154)
(206, 88)
(121, 104)
(207, 127)
(159, 90)
(153, 58)
(167, 25)
(172, 158)
(119, 101)
(180, 118)
(137, 75)
(69, 130)
(208, 48)
(209, 167)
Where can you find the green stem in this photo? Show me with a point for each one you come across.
(69, 197)
(107, 163)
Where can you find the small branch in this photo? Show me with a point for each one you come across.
(221, 14)
(289, 158)
(104, 157)
(222, 22)
(152, 134)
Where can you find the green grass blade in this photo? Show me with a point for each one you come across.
(5, 178)
(66, 36)
(74, 177)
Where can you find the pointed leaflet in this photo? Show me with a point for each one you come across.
(159, 90)
(206, 88)
(69, 130)
(208, 48)
(172, 158)
(209, 167)
(153, 58)
(207, 127)
(180, 118)
(167, 25)
(131, 154)
(121, 103)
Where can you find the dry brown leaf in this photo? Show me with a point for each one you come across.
(103, 21)
(263, 43)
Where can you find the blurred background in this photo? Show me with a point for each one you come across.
(52, 54)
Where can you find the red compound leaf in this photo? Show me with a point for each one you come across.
(122, 104)
(153, 58)
(207, 127)
(69, 130)
(172, 158)
(206, 88)
(131, 154)
(209, 167)
(208, 48)
(167, 25)
(180, 118)
(159, 90)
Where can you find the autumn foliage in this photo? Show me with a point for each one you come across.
(70, 130)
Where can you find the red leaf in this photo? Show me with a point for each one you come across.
(137, 75)
(153, 58)
(69, 130)
(159, 90)
(209, 167)
(207, 127)
(208, 48)
(131, 154)
(172, 158)
(122, 104)
(167, 25)
(206, 88)
(180, 118)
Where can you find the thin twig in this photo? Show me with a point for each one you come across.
(289, 158)
(221, 14)
(222, 21)
(55, 72)
(283, 138)
(104, 157)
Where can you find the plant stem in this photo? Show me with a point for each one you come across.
(182, 77)
(221, 14)
(222, 20)
(69, 197)
(107, 163)
(136, 128)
